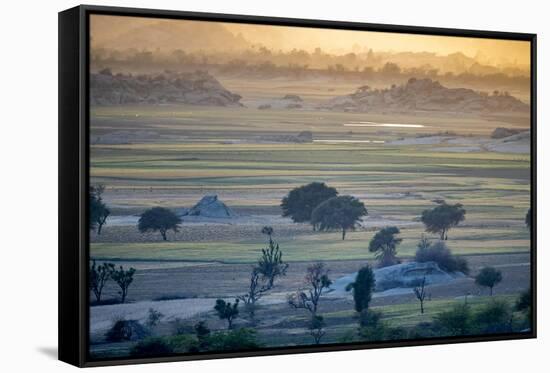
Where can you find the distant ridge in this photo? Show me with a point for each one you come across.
(198, 88)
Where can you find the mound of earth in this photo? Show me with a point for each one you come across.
(125, 137)
(210, 207)
(285, 102)
(519, 143)
(302, 137)
(501, 132)
(405, 275)
(198, 88)
(426, 95)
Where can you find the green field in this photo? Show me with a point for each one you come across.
(320, 246)
(198, 150)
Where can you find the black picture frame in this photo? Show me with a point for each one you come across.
(74, 179)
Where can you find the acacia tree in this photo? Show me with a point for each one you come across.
(339, 213)
(362, 287)
(270, 266)
(99, 212)
(489, 277)
(227, 311)
(99, 275)
(300, 202)
(159, 219)
(442, 218)
(318, 281)
(123, 279)
(384, 245)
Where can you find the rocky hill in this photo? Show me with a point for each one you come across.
(425, 95)
(210, 207)
(199, 88)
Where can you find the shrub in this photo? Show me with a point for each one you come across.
(439, 253)
(317, 328)
(181, 327)
(372, 328)
(241, 339)
(151, 347)
(183, 343)
(125, 330)
(495, 317)
(424, 330)
(523, 303)
(202, 331)
(370, 318)
(153, 318)
(457, 321)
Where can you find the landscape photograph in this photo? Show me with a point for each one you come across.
(256, 187)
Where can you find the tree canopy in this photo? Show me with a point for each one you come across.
(384, 245)
(338, 213)
(301, 201)
(489, 277)
(442, 218)
(159, 219)
(99, 212)
(227, 311)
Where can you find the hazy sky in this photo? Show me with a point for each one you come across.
(116, 32)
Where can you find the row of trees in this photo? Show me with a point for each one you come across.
(270, 267)
(314, 203)
(101, 274)
(322, 207)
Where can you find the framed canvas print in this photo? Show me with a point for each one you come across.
(235, 186)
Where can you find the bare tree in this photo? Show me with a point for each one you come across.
(255, 292)
(318, 281)
(420, 293)
(99, 275)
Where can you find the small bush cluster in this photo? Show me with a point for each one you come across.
(373, 328)
(151, 347)
(495, 317)
(439, 253)
(126, 330)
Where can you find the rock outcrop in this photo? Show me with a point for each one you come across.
(285, 102)
(300, 138)
(405, 275)
(502, 132)
(425, 95)
(199, 88)
(210, 207)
